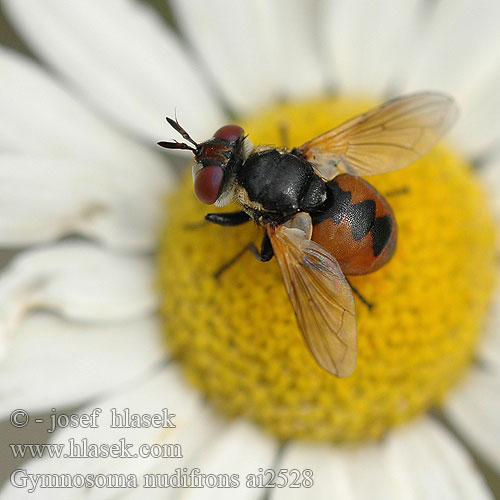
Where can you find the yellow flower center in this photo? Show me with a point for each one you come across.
(237, 336)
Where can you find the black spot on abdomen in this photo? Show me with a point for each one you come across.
(381, 233)
(361, 216)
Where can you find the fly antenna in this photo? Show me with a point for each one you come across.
(176, 126)
(176, 145)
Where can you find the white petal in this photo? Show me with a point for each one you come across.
(478, 129)
(329, 473)
(241, 449)
(37, 115)
(489, 349)
(461, 40)
(474, 408)
(366, 43)
(75, 200)
(255, 51)
(78, 281)
(458, 53)
(40, 118)
(164, 390)
(53, 363)
(420, 462)
(434, 464)
(48, 197)
(195, 429)
(122, 57)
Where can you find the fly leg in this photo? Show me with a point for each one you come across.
(228, 218)
(222, 219)
(284, 135)
(368, 304)
(397, 192)
(264, 255)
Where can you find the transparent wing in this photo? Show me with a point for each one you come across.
(384, 139)
(321, 298)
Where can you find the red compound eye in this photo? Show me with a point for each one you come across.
(229, 133)
(207, 183)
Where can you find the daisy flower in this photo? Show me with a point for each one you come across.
(83, 194)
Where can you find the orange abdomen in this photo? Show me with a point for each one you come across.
(357, 226)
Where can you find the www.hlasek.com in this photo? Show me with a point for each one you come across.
(180, 478)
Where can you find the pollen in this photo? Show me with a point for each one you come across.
(237, 339)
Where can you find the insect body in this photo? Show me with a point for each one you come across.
(322, 221)
(356, 225)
